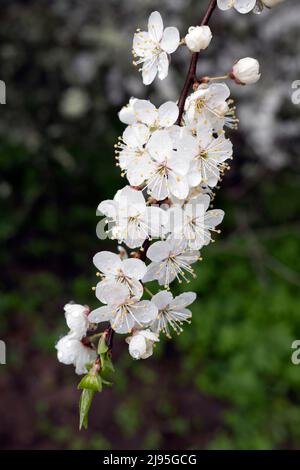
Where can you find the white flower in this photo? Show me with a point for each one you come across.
(170, 259)
(131, 219)
(171, 312)
(133, 156)
(209, 103)
(126, 114)
(141, 343)
(76, 318)
(246, 71)
(114, 270)
(242, 6)
(171, 166)
(152, 48)
(144, 112)
(198, 38)
(272, 3)
(209, 154)
(124, 313)
(194, 223)
(70, 350)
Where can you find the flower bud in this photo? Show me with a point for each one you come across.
(271, 3)
(76, 318)
(198, 38)
(246, 71)
(141, 343)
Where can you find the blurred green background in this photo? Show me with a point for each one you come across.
(227, 382)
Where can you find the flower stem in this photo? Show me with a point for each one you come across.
(148, 291)
(212, 79)
(193, 64)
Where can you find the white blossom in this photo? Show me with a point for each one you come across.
(126, 114)
(114, 270)
(171, 259)
(210, 103)
(134, 158)
(131, 220)
(144, 112)
(246, 71)
(194, 222)
(70, 350)
(172, 312)
(198, 38)
(242, 6)
(151, 48)
(77, 319)
(209, 154)
(124, 312)
(171, 165)
(141, 343)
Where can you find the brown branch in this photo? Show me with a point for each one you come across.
(109, 337)
(191, 76)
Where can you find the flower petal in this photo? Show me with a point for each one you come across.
(213, 218)
(137, 346)
(134, 268)
(156, 219)
(168, 114)
(179, 186)
(139, 169)
(108, 208)
(122, 323)
(152, 272)
(149, 70)
(244, 6)
(136, 135)
(162, 299)
(145, 112)
(126, 114)
(131, 198)
(160, 145)
(162, 65)
(144, 311)
(183, 300)
(198, 205)
(225, 4)
(107, 262)
(178, 164)
(170, 40)
(155, 26)
(100, 314)
(158, 251)
(112, 297)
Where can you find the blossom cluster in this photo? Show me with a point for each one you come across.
(245, 6)
(173, 157)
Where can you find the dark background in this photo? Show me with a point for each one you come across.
(227, 382)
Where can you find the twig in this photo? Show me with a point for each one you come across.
(191, 76)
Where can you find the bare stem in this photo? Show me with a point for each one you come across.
(191, 76)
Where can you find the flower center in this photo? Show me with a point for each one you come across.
(200, 103)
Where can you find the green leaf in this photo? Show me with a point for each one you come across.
(91, 381)
(102, 346)
(84, 407)
(106, 364)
